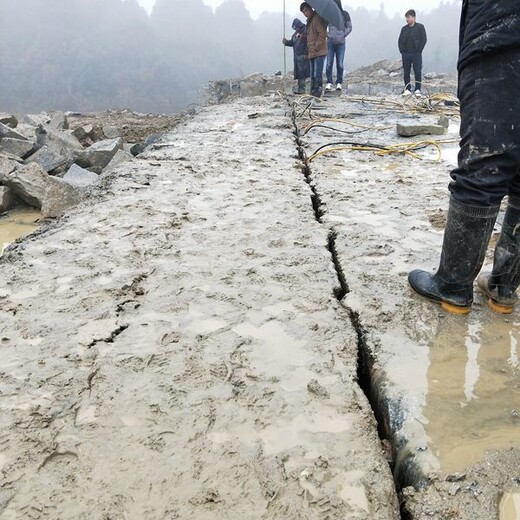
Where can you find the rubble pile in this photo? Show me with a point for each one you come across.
(49, 163)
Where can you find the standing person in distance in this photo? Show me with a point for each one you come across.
(316, 45)
(298, 42)
(488, 165)
(412, 40)
(336, 47)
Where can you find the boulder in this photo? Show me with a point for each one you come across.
(29, 183)
(59, 197)
(99, 154)
(7, 198)
(7, 165)
(8, 120)
(5, 131)
(37, 119)
(121, 156)
(138, 148)
(79, 177)
(111, 132)
(58, 121)
(37, 188)
(19, 147)
(47, 158)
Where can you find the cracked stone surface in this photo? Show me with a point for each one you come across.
(173, 348)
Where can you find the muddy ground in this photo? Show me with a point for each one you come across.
(187, 344)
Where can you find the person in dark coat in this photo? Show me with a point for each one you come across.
(488, 164)
(298, 42)
(412, 40)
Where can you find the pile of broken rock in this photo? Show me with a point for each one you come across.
(46, 165)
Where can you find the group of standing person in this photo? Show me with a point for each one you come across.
(319, 41)
(313, 44)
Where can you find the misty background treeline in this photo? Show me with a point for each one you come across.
(89, 55)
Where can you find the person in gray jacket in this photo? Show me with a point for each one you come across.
(412, 40)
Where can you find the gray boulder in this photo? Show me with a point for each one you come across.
(37, 188)
(37, 119)
(47, 158)
(59, 197)
(7, 198)
(5, 131)
(7, 165)
(79, 177)
(29, 183)
(99, 154)
(59, 121)
(121, 156)
(19, 147)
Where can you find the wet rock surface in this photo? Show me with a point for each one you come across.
(195, 339)
(173, 347)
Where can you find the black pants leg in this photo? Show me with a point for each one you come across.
(417, 70)
(489, 156)
(407, 67)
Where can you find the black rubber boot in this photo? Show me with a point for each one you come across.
(466, 237)
(500, 286)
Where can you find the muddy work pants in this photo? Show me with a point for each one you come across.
(489, 156)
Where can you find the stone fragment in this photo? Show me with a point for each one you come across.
(79, 177)
(29, 183)
(5, 131)
(121, 156)
(7, 165)
(18, 147)
(59, 197)
(7, 198)
(99, 154)
(58, 121)
(411, 129)
(47, 158)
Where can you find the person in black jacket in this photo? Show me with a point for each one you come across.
(302, 67)
(488, 164)
(412, 40)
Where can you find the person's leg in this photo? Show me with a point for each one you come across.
(319, 62)
(407, 67)
(500, 286)
(340, 57)
(417, 70)
(330, 61)
(489, 161)
(312, 67)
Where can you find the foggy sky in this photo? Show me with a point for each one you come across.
(256, 7)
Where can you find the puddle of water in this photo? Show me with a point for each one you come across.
(510, 506)
(286, 435)
(276, 353)
(472, 403)
(16, 224)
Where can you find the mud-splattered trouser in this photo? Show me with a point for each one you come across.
(489, 156)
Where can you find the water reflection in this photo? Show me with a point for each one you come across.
(510, 506)
(473, 399)
(15, 224)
